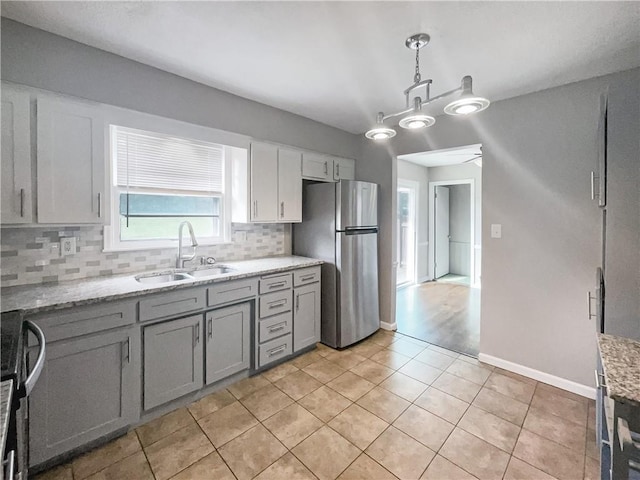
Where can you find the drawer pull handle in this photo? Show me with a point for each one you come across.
(277, 327)
(279, 303)
(277, 350)
(308, 277)
(277, 285)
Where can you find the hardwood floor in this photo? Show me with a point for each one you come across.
(444, 314)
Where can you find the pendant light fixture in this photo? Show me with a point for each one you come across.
(412, 116)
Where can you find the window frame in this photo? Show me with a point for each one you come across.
(112, 241)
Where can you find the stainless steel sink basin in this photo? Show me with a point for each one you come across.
(210, 271)
(162, 277)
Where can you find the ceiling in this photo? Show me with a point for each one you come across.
(341, 62)
(445, 157)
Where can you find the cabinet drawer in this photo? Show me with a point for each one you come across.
(275, 303)
(274, 350)
(227, 292)
(274, 327)
(305, 276)
(275, 283)
(77, 321)
(172, 303)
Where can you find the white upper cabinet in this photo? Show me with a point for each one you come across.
(317, 167)
(267, 188)
(70, 161)
(344, 169)
(264, 183)
(289, 186)
(16, 188)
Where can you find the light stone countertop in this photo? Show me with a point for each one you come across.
(621, 362)
(42, 297)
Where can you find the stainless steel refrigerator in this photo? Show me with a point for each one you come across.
(340, 226)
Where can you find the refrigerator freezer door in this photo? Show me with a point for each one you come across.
(356, 204)
(357, 262)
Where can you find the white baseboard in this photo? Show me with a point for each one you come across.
(563, 383)
(389, 326)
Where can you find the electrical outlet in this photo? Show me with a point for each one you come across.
(241, 236)
(67, 246)
(496, 230)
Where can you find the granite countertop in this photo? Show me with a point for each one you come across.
(42, 297)
(621, 363)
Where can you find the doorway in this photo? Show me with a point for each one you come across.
(441, 304)
(452, 227)
(406, 228)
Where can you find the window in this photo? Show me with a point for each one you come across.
(159, 181)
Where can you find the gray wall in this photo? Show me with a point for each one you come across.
(44, 60)
(416, 173)
(460, 229)
(538, 152)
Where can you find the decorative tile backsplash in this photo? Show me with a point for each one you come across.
(31, 255)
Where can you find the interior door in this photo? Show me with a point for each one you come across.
(441, 232)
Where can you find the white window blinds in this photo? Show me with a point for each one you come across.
(158, 161)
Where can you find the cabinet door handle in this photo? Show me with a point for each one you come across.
(591, 315)
(22, 202)
(326, 168)
(594, 177)
(196, 334)
(599, 380)
(255, 209)
(297, 302)
(276, 351)
(210, 328)
(127, 351)
(99, 205)
(281, 209)
(338, 170)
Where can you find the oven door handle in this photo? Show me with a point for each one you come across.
(39, 364)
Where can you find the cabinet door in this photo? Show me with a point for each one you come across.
(289, 186)
(344, 169)
(89, 387)
(70, 162)
(306, 316)
(167, 377)
(317, 167)
(228, 341)
(16, 157)
(264, 182)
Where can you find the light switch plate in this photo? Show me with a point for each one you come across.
(496, 230)
(67, 246)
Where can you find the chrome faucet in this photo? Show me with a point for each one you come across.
(181, 259)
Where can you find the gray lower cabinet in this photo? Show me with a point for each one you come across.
(172, 360)
(228, 344)
(306, 316)
(89, 387)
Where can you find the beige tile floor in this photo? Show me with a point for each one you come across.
(389, 408)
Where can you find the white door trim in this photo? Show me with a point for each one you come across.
(415, 186)
(432, 196)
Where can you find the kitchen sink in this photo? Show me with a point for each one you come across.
(210, 271)
(162, 277)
